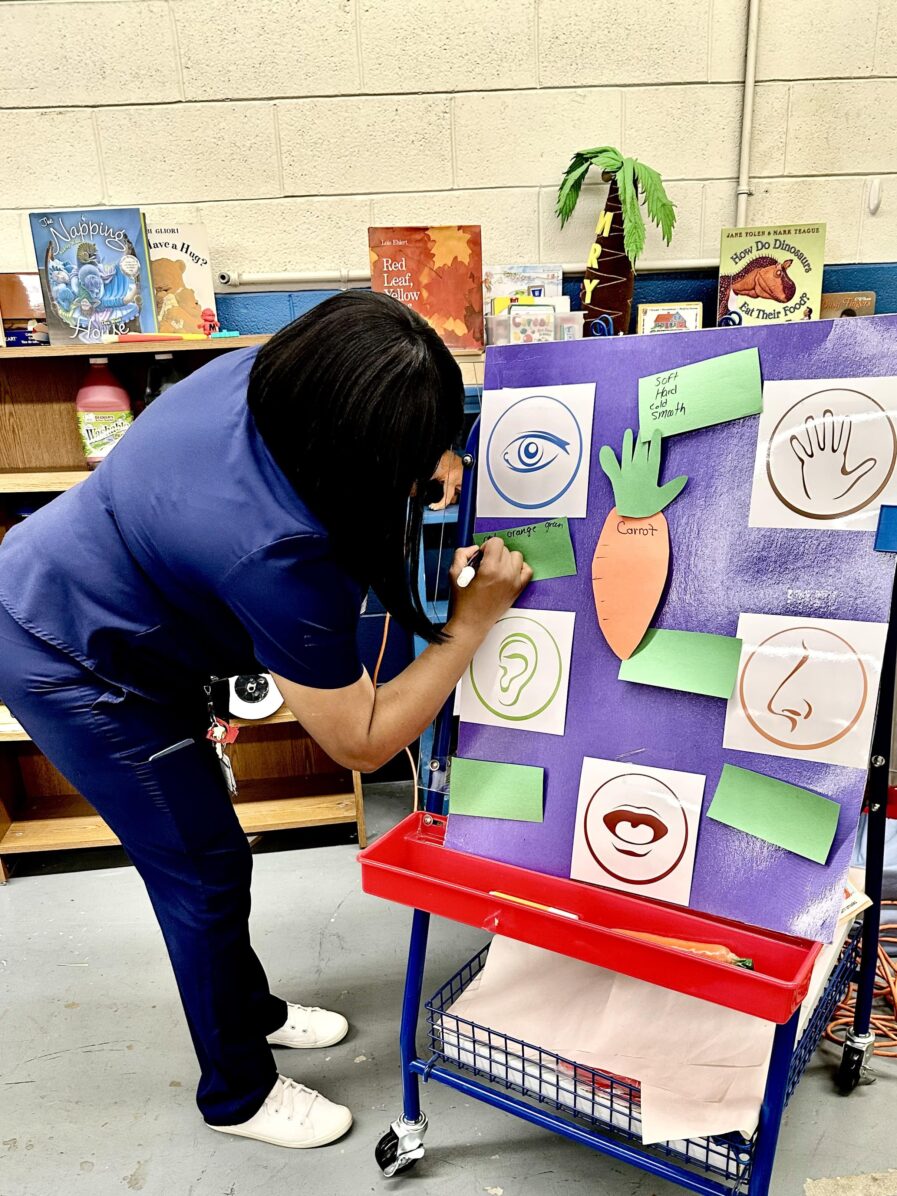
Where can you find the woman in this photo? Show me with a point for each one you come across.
(240, 522)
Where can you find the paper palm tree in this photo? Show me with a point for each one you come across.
(620, 232)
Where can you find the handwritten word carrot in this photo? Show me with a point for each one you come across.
(632, 556)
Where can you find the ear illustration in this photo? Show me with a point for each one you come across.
(518, 662)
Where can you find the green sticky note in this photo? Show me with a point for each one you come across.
(546, 547)
(484, 789)
(692, 661)
(696, 396)
(783, 814)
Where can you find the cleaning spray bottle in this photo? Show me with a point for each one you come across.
(104, 411)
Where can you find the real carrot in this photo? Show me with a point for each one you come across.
(632, 556)
(715, 951)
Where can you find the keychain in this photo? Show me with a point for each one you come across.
(221, 734)
(227, 770)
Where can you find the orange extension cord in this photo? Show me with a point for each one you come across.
(413, 762)
(883, 1022)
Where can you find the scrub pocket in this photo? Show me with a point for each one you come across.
(185, 791)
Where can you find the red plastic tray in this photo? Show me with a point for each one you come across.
(411, 865)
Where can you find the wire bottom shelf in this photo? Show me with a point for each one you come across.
(604, 1102)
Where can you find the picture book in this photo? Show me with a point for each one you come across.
(847, 303)
(183, 283)
(22, 319)
(669, 317)
(94, 273)
(437, 271)
(513, 283)
(770, 275)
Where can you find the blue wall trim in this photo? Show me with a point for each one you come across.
(266, 311)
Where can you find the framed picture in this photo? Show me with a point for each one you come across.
(669, 317)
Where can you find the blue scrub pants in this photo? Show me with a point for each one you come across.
(175, 819)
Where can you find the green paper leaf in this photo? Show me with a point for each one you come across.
(605, 157)
(689, 661)
(546, 547)
(634, 478)
(633, 222)
(571, 186)
(485, 789)
(697, 396)
(660, 208)
(779, 813)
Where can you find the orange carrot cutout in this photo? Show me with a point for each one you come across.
(632, 556)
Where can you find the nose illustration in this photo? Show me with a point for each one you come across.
(518, 660)
(532, 451)
(639, 827)
(800, 707)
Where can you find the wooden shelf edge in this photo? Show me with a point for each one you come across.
(283, 715)
(256, 817)
(43, 352)
(289, 813)
(11, 731)
(56, 834)
(30, 481)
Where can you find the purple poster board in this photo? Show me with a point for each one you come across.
(719, 568)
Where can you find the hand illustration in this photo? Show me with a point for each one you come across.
(822, 450)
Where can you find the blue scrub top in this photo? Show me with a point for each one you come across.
(186, 554)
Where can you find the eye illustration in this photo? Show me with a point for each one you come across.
(531, 451)
(534, 453)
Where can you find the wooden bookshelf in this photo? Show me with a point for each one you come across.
(76, 825)
(285, 779)
(41, 481)
(210, 345)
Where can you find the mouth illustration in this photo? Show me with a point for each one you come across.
(641, 841)
(636, 826)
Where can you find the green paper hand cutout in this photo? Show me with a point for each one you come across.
(634, 477)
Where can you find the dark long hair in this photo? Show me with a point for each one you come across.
(357, 400)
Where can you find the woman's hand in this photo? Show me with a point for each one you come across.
(500, 579)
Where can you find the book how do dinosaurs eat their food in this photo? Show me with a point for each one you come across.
(770, 275)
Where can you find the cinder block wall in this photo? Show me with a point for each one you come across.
(289, 126)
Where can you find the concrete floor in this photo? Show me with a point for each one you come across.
(97, 1072)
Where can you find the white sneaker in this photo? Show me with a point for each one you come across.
(310, 1027)
(293, 1116)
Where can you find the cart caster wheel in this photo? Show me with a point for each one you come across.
(401, 1147)
(386, 1152)
(854, 1066)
